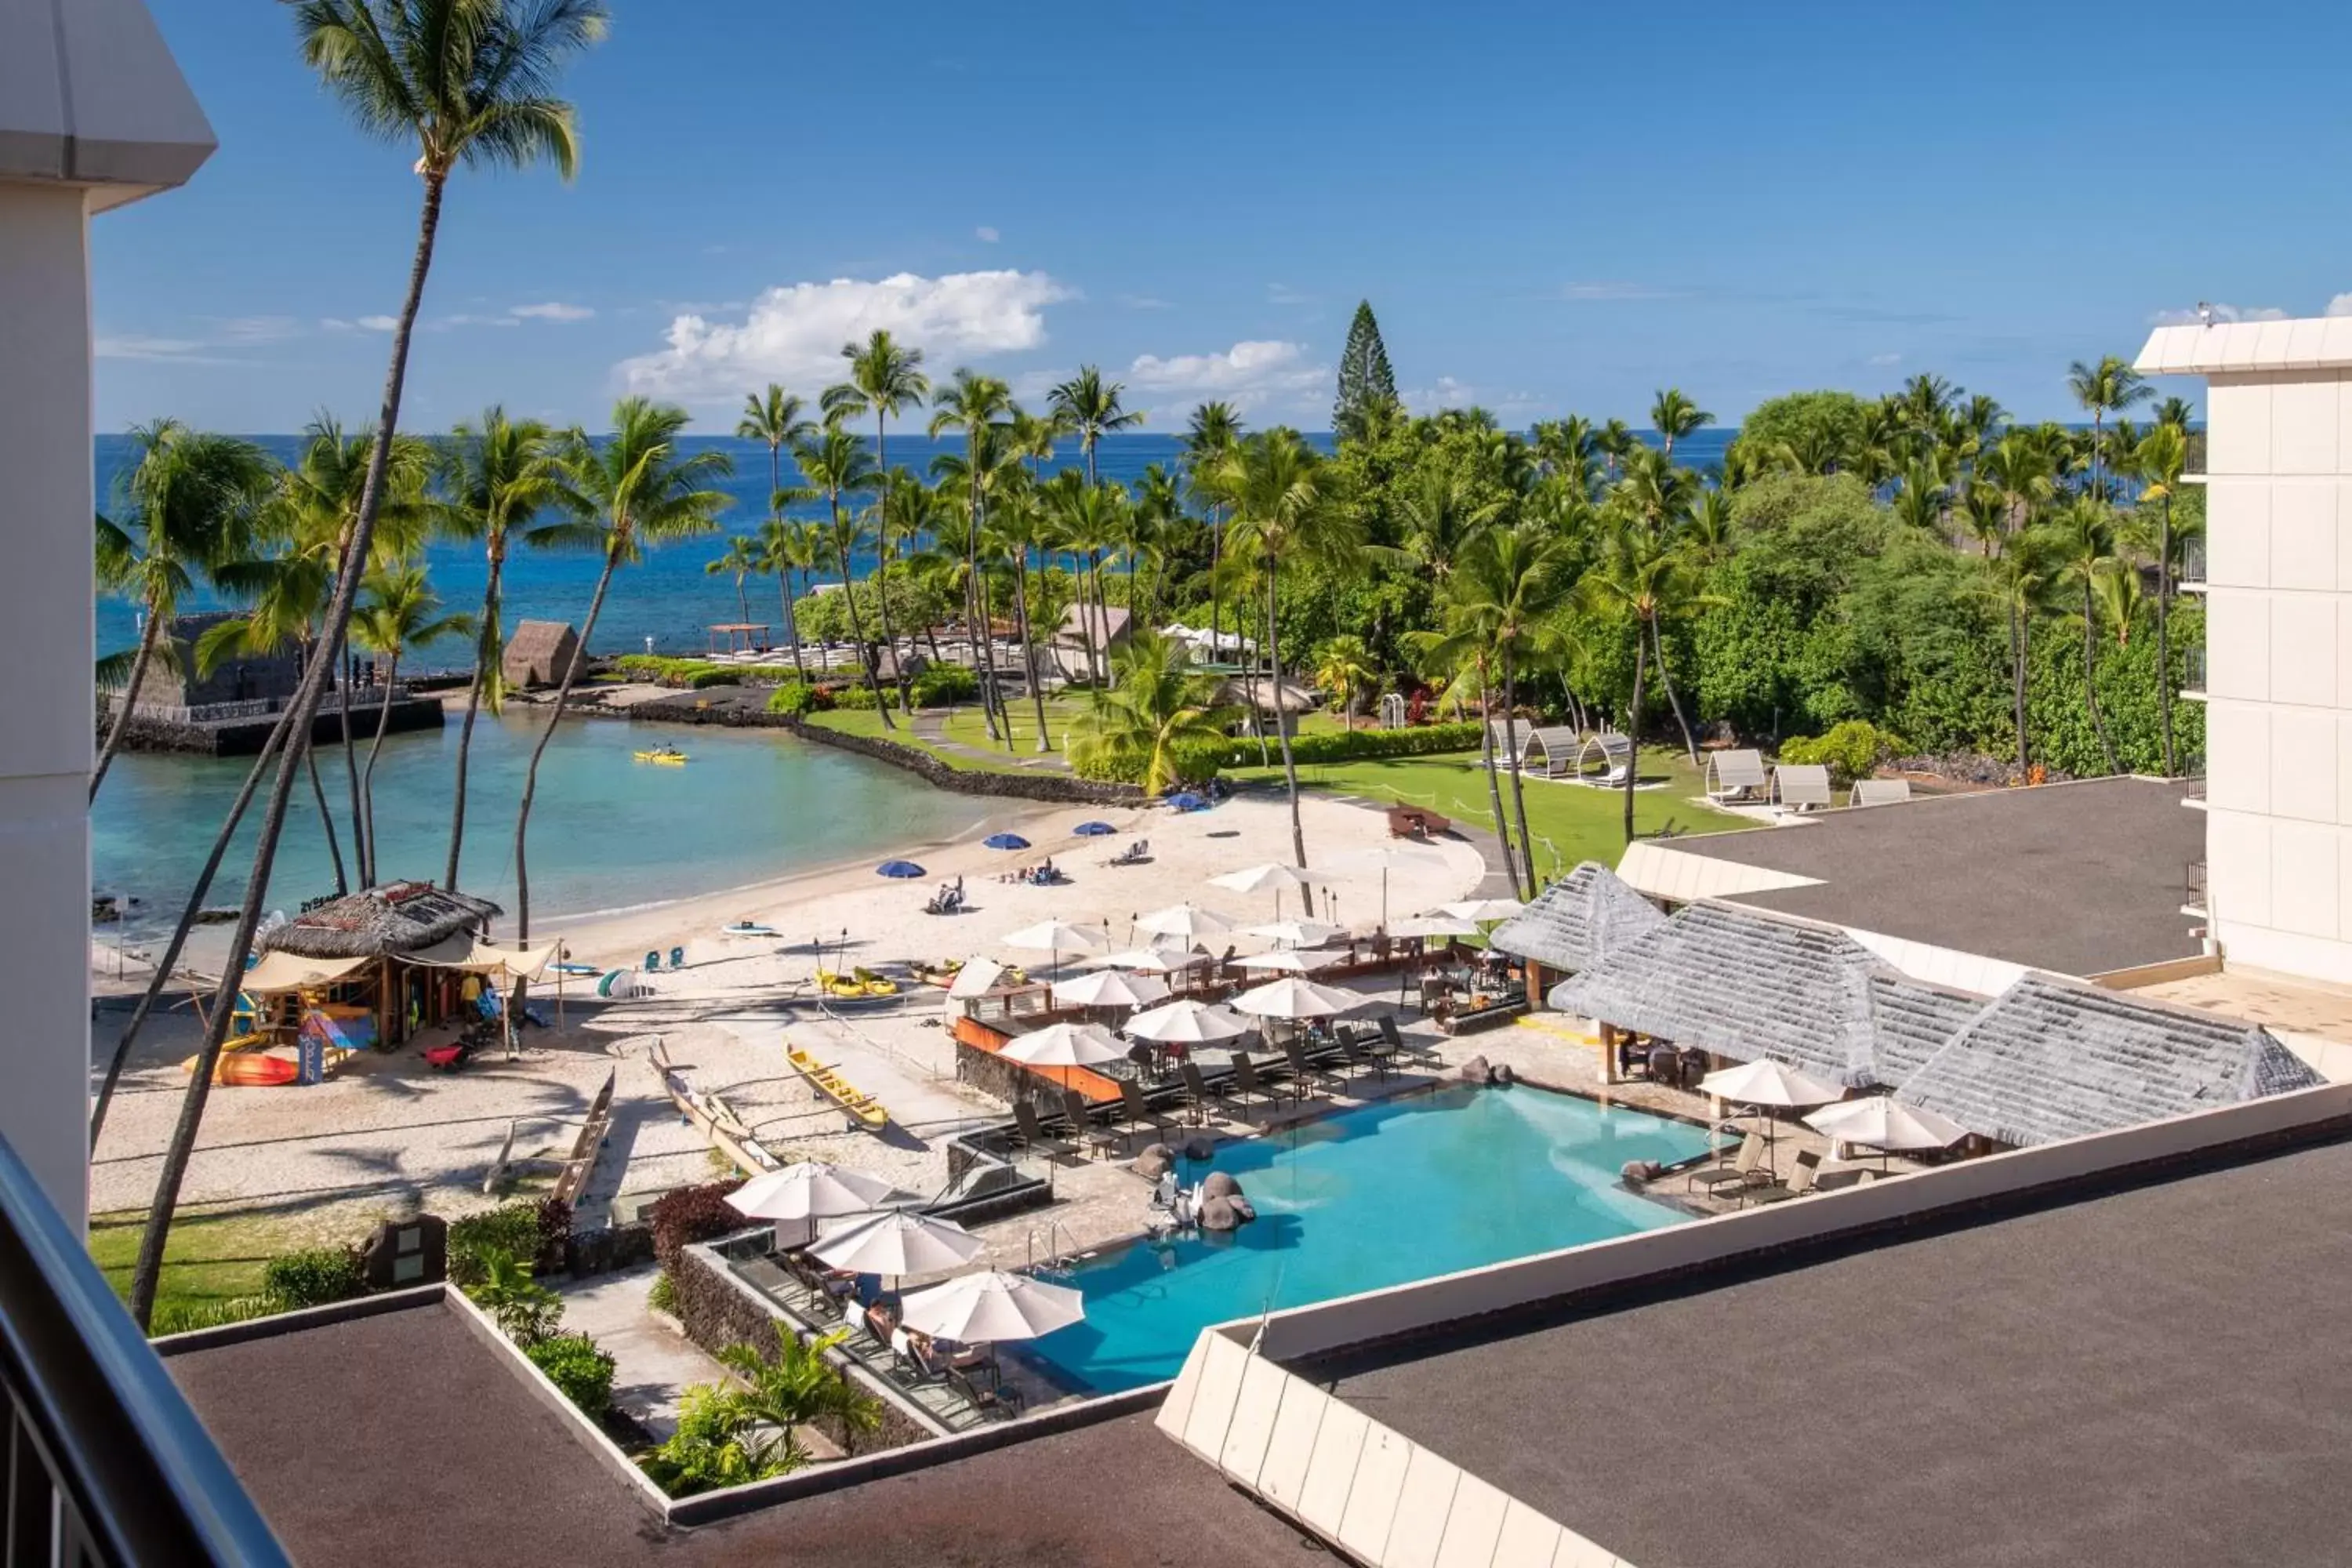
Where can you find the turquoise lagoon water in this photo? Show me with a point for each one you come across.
(1364, 1199)
(606, 832)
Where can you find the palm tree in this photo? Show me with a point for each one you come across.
(2175, 412)
(1156, 506)
(469, 81)
(884, 381)
(776, 419)
(496, 476)
(1638, 576)
(1503, 593)
(1273, 482)
(1019, 528)
(973, 403)
(2023, 469)
(2110, 384)
(1341, 666)
(1673, 416)
(2121, 600)
(784, 549)
(1089, 407)
(837, 464)
(1209, 437)
(740, 561)
(1155, 707)
(632, 488)
(904, 507)
(798, 1387)
(2020, 579)
(1443, 514)
(2163, 454)
(1569, 451)
(187, 510)
(399, 612)
(1661, 496)
(2083, 550)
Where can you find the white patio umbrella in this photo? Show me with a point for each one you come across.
(1188, 1022)
(1189, 922)
(898, 1242)
(1289, 960)
(1296, 933)
(1768, 1082)
(975, 978)
(984, 1307)
(1393, 857)
(1111, 989)
(1273, 876)
(798, 1195)
(1057, 937)
(1881, 1121)
(1296, 996)
(1065, 1045)
(1483, 910)
(1152, 960)
(1433, 925)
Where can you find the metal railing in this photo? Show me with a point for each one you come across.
(2193, 677)
(107, 1466)
(2193, 893)
(2196, 790)
(2192, 562)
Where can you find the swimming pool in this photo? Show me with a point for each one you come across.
(1371, 1197)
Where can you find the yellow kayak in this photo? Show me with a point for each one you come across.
(861, 1106)
(665, 757)
(857, 986)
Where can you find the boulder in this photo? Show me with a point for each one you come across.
(1218, 1185)
(1638, 1170)
(1200, 1149)
(1504, 1075)
(1217, 1214)
(1154, 1163)
(1476, 1070)
(1244, 1210)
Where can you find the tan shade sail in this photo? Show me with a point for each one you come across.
(280, 971)
(471, 954)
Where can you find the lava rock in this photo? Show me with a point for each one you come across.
(1504, 1075)
(1218, 1214)
(1200, 1149)
(1219, 1184)
(1154, 1163)
(1639, 1171)
(1244, 1210)
(1477, 1069)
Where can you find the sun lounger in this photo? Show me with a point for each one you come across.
(1801, 786)
(1248, 1081)
(1879, 792)
(1137, 1111)
(1420, 1053)
(1306, 1074)
(1028, 1132)
(1735, 776)
(1197, 1093)
(1799, 1183)
(1741, 1172)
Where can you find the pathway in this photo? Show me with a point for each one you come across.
(651, 1365)
(930, 726)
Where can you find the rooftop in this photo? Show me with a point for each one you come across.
(2311, 343)
(2083, 878)
(443, 1456)
(1578, 920)
(2145, 1375)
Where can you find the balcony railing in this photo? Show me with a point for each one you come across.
(2193, 563)
(2193, 892)
(107, 1466)
(2192, 681)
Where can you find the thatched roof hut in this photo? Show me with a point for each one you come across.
(537, 653)
(380, 922)
(1579, 922)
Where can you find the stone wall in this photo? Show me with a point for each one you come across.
(246, 737)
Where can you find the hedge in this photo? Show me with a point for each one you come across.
(532, 1230)
(939, 684)
(1355, 745)
(314, 1276)
(688, 1214)
(574, 1364)
(692, 674)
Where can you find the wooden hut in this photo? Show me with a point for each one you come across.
(539, 653)
(385, 926)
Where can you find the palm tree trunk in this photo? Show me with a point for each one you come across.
(148, 1273)
(326, 816)
(1493, 782)
(857, 625)
(486, 652)
(1028, 648)
(350, 760)
(375, 749)
(2163, 655)
(531, 772)
(2017, 651)
(1633, 736)
(1290, 767)
(742, 598)
(1518, 788)
(129, 695)
(882, 608)
(2090, 677)
(1667, 680)
(792, 622)
(983, 653)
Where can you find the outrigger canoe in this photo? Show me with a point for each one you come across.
(863, 1108)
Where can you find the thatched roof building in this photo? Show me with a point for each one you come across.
(2055, 1058)
(380, 922)
(1746, 984)
(1580, 920)
(538, 652)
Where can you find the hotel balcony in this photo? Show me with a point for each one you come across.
(2193, 897)
(2191, 579)
(2193, 797)
(2192, 683)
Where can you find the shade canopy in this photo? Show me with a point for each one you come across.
(1057, 936)
(903, 870)
(1189, 922)
(1296, 933)
(1186, 800)
(980, 1309)
(1289, 960)
(810, 1190)
(1189, 1022)
(1006, 841)
(1391, 858)
(1152, 960)
(1271, 877)
(1065, 1045)
(1110, 988)
(1433, 925)
(1483, 909)
(976, 978)
(1881, 1121)
(476, 956)
(1768, 1082)
(898, 1241)
(1093, 830)
(1295, 997)
(278, 972)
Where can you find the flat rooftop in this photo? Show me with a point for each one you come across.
(404, 1438)
(2078, 878)
(2151, 1375)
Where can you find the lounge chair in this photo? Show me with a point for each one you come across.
(1197, 1093)
(1305, 1074)
(1099, 1135)
(1139, 1111)
(1799, 1183)
(653, 962)
(1740, 1172)
(1247, 1082)
(1029, 1133)
(997, 1401)
(677, 958)
(1420, 1053)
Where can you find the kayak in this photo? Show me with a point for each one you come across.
(862, 1107)
(665, 757)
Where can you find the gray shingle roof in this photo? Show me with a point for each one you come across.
(1747, 984)
(1580, 920)
(2055, 1058)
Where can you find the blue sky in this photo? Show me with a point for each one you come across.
(1553, 208)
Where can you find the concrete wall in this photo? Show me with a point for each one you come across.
(2279, 671)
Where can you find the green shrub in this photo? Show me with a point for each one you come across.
(184, 1317)
(692, 674)
(513, 1230)
(575, 1365)
(856, 699)
(525, 1311)
(793, 696)
(1354, 745)
(314, 1276)
(940, 684)
(663, 1297)
(1852, 750)
(1196, 763)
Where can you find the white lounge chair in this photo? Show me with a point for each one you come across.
(1801, 786)
(1879, 792)
(1735, 776)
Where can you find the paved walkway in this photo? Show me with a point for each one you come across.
(652, 1365)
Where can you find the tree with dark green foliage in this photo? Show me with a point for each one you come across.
(1368, 392)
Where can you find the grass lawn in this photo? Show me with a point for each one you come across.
(965, 723)
(210, 1259)
(852, 722)
(1570, 821)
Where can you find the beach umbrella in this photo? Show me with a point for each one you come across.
(1058, 937)
(901, 870)
(1004, 841)
(976, 978)
(1152, 960)
(1187, 1022)
(1433, 925)
(1289, 960)
(1295, 997)
(1769, 1083)
(1093, 830)
(1483, 910)
(1296, 933)
(1188, 922)
(1271, 877)
(1063, 1045)
(1884, 1123)
(1391, 858)
(1186, 800)
(1111, 989)
(987, 1307)
(806, 1193)
(898, 1242)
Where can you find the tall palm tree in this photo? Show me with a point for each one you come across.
(776, 419)
(1569, 451)
(786, 548)
(740, 561)
(884, 380)
(1504, 591)
(1089, 407)
(2109, 386)
(627, 491)
(1273, 483)
(468, 82)
(1210, 434)
(1638, 576)
(2083, 550)
(1156, 705)
(496, 476)
(1443, 514)
(2023, 469)
(1614, 441)
(1021, 528)
(2020, 579)
(1673, 416)
(188, 509)
(2175, 412)
(399, 611)
(1156, 506)
(972, 403)
(1660, 497)
(2163, 454)
(837, 463)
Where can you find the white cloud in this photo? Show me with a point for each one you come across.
(256, 329)
(552, 310)
(1448, 393)
(377, 324)
(985, 234)
(2221, 313)
(1283, 294)
(794, 333)
(2341, 305)
(137, 345)
(1250, 375)
(1609, 289)
(1884, 360)
(1144, 303)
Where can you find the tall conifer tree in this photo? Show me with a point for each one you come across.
(1367, 385)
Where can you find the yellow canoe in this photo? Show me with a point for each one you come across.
(863, 1107)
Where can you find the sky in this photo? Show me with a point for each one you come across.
(1553, 208)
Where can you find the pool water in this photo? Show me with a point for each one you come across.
(1371, 1197)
